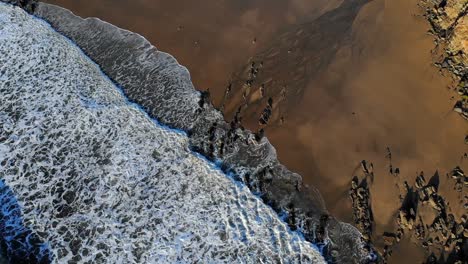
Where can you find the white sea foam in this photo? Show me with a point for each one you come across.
(100, 182)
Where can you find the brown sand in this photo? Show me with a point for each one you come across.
(212, 38)
(385, 77)
(379, 90)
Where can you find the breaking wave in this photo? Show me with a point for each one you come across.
(89, 177)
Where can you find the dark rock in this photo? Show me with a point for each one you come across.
(389, 238)
(361, 203)
(28, 5)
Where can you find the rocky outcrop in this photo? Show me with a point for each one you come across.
(449, 22)
(361, 201)
(440, 233)
(424, 216)
(162, 88)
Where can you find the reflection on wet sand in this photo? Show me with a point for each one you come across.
(379, 91)
(345, 86)
(211, 38)
(282, 70)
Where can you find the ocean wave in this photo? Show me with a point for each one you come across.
(155, 81)
(99, 181)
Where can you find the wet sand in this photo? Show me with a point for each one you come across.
(380, 91)
(211, 38)
(374, 89)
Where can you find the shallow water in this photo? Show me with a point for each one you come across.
(99, 181)
(377, 90)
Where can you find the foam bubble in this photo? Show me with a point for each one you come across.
(99, 182)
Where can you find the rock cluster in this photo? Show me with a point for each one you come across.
(361, 202)
(461, 180)
(449, 22)
(440, 233)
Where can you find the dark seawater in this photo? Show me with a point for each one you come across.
(18, 243)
